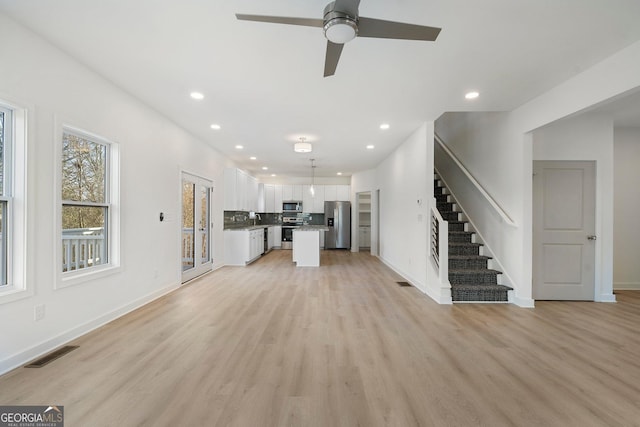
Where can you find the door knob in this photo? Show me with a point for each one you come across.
(591, 237)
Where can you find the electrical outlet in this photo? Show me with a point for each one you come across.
(38, 312)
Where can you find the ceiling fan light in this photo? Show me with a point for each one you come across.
(340, 30)
(302, 147)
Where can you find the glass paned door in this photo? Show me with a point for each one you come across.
(196, 226)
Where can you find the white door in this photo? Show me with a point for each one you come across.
(196, 226)
(564, 230)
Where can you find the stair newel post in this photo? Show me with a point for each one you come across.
(440, 250)
(443, 236)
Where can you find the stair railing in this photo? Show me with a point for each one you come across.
(439, 230)
(505, 217)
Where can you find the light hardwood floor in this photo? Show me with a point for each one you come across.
(344, 345)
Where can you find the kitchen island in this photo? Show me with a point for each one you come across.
(306, 245)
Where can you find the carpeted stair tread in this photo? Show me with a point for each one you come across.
(468, 262)
(460, 236)
(474, 277)
(480, 293)
(463, 257)
(477, 271)
(465, 244)
(457, 225)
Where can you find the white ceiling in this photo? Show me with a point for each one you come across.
(263, 82)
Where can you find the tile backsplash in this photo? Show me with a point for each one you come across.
(240, 219)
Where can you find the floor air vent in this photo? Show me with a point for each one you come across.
(51, 356)
(403, 283)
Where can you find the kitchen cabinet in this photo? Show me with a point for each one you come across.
(364, 237)
(337, 193)
(287, 192)
(251, 203)
(318, 201)
(243, 246)
(270, 198)
(330, 193)
(292, 192)
(343, 193)
(277, 197)
(275, 237)
(315, 203)
(240, 191)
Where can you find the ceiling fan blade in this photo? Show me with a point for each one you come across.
(307, 22)
(350, 7)
(378, 28)
(331, 59)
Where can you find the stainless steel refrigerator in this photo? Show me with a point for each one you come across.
(337, 216)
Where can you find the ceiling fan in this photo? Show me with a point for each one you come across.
(341, 23)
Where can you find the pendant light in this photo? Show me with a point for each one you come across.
(303, 146)
(312, 190)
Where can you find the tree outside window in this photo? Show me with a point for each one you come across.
(85, 204)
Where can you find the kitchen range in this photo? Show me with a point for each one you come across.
(289, 223)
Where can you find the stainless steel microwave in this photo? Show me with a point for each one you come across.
(292, 206)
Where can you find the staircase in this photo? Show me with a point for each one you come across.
(470, 277)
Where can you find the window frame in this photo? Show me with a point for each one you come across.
(14, 196)
(6, 202)
(111, 202)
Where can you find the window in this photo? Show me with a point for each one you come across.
(86, 202)
(13, 203)
(5, 190)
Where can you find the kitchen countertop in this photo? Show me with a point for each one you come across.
(295, 227)
(312, 228)
(251, 227)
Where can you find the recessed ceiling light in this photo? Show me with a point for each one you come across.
(273, 174)
(252, 158)
(384, 126)
(239, 147)
(215, 127)
(370, 147)
(472, 95)
(264, 168)
(339, 173)
(197, 95)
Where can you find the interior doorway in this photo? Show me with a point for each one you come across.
(364, 221)
(564, 238)
(196, 226)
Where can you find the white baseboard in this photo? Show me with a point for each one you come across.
(47, 346)
(606, 298)
(523, 302)
(626, 286)
(441, 296)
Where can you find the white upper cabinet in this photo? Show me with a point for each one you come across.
(313, 203)
(269, 198)
(307, 199)
(297, 192)
(240, 191)
(287, 192)
(277, 189)
(251, 202)
(318, 201)
(343, 193)
(330, 193)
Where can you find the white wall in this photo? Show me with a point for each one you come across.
(626, 232)
(587, 137)
(405, 178)
(57, 90)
